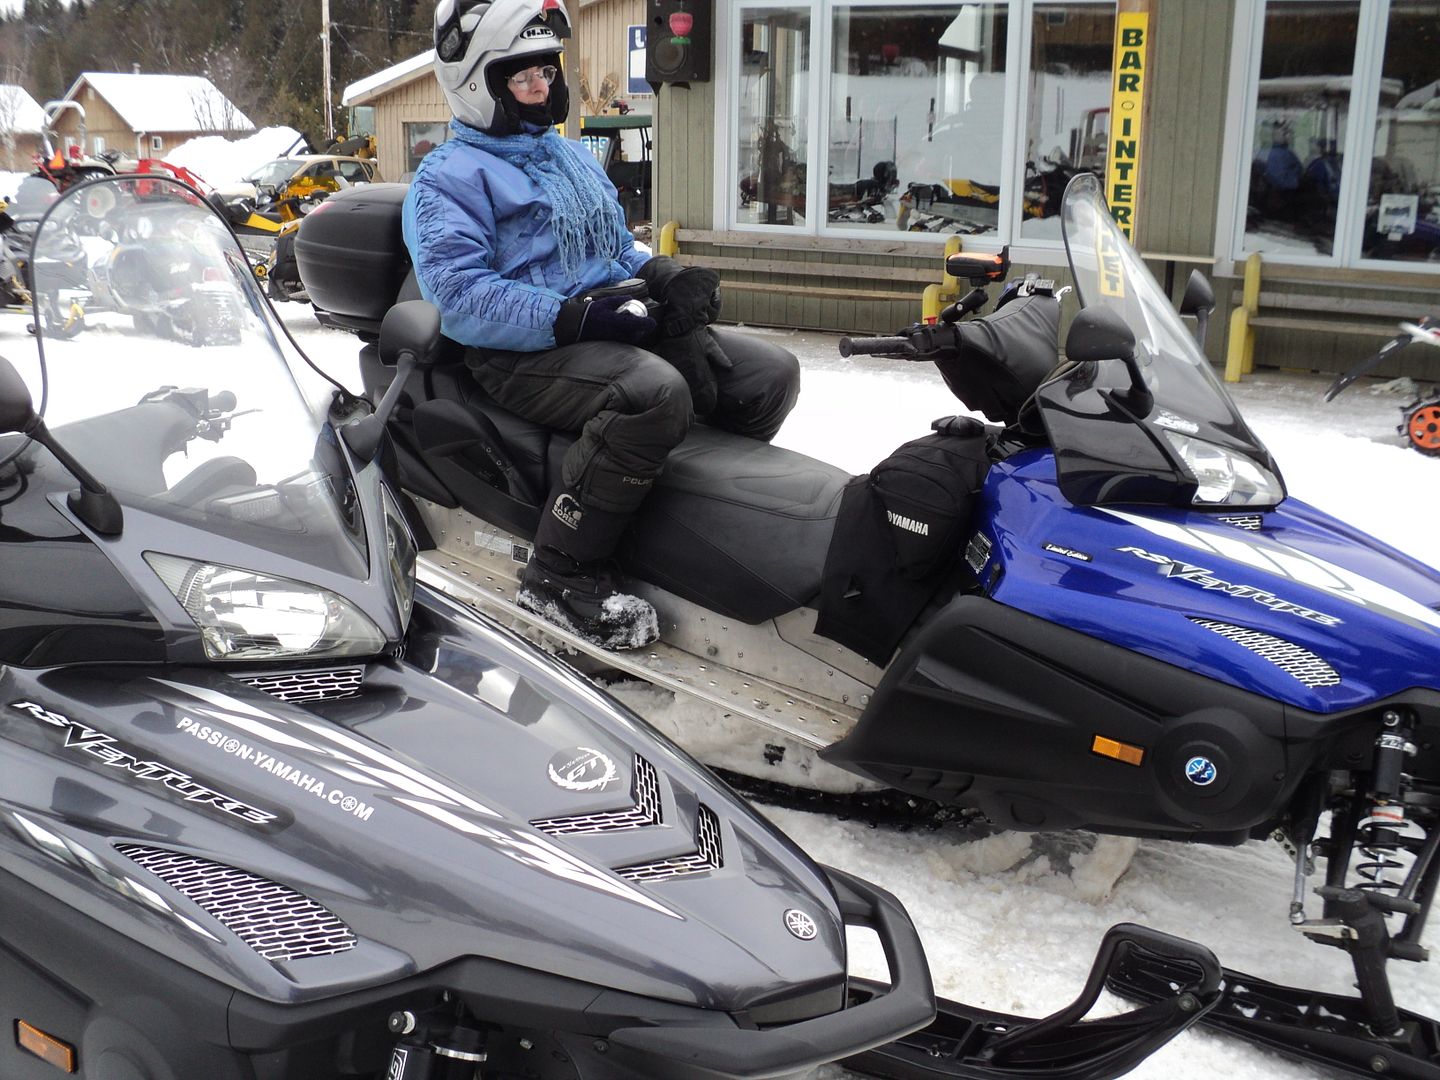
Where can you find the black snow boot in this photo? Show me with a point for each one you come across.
(570, 580)
(586, 599)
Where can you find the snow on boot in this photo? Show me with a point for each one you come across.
(586, 600)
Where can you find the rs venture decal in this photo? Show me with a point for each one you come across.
(1292, 565)
(1199, 575)
(86, 740)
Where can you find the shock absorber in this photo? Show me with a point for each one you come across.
(1386, 837)
(420, 1054)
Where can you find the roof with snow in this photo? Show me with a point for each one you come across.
(165, 102)
(371, 85)
(19, 111)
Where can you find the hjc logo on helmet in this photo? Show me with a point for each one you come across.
(531, 33)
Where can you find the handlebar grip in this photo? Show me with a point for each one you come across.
(223, 402)
(876, 346)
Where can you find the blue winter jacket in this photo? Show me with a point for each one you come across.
(478, 233)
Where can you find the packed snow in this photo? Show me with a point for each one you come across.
(1011, 921)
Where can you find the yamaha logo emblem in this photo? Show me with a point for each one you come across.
(583, 769)
(800, 924)
(1201, 771)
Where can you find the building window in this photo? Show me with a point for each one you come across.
(1402, 203)
(930, 127)
(773, 110)
(1067, 114)
(97, 145)
(157, 144)
(1333, 82)
(420, 139)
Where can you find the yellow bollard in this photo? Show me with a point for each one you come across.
(937, 296)
(668, 244)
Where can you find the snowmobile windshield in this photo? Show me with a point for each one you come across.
(162, 375)
(1162, 430)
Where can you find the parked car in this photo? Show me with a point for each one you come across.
(303, 174)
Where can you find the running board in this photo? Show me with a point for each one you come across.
(1329, 1029)
(976, 1044)
(778, 708)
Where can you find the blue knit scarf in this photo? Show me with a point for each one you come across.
(587, 219)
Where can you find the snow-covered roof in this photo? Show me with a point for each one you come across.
(19, 111)
(165, 102)
(394, 73)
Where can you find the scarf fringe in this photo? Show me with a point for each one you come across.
(587, 220)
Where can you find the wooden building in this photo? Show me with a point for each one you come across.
(143, 115)
(838, 148)
(21, 122)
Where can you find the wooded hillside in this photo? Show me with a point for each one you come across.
(265, 55)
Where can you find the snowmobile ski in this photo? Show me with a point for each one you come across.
(983, 1045)
(1333, 1030)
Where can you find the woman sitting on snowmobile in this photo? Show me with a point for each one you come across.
(517, 237)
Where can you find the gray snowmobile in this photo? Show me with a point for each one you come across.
(270, 810)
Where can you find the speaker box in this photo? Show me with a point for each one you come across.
(679, 40)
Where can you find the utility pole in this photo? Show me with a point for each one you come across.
(325, 62)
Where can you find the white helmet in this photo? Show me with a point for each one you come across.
(472, 36)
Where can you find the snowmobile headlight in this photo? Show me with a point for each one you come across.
(400, 556)
(245, 615)
(1223, 478)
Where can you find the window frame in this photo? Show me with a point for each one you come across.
(1367, 71)
(1018, 45)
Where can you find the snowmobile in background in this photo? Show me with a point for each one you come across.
(1132, 629)
(1420, 418)
(274, 811)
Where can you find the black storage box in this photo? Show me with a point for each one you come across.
(352, 255)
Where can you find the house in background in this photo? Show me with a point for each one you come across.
(143, 115)
(21, 122)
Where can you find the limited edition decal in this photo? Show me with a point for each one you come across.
(1068, 552)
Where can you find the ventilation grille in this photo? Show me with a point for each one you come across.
(308, 685)
(1248, 522)
(276, 922)
(707, 856)
(644, 813)
(1301, 664)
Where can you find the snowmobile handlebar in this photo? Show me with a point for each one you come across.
(908, 1006)
(877, 346)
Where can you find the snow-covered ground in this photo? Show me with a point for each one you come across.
(1011, 921)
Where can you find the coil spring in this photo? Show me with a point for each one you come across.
(1384, 855)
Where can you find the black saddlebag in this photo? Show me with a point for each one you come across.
(897, 537)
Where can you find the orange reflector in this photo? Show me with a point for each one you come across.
(1130, 755)
(46, 1047)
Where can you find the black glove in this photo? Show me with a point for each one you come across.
(601, 319)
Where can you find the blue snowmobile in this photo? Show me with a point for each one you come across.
(1102, 611)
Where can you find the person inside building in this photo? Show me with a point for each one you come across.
(520, 241)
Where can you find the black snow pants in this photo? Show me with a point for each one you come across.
(630, 408)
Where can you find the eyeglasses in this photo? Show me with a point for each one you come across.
(546, 74)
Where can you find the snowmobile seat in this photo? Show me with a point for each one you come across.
(736, 525)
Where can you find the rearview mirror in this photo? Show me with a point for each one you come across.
(1098, 333)
(17, 409)
(411, 326)
(1101, 334)
(1199, 301)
